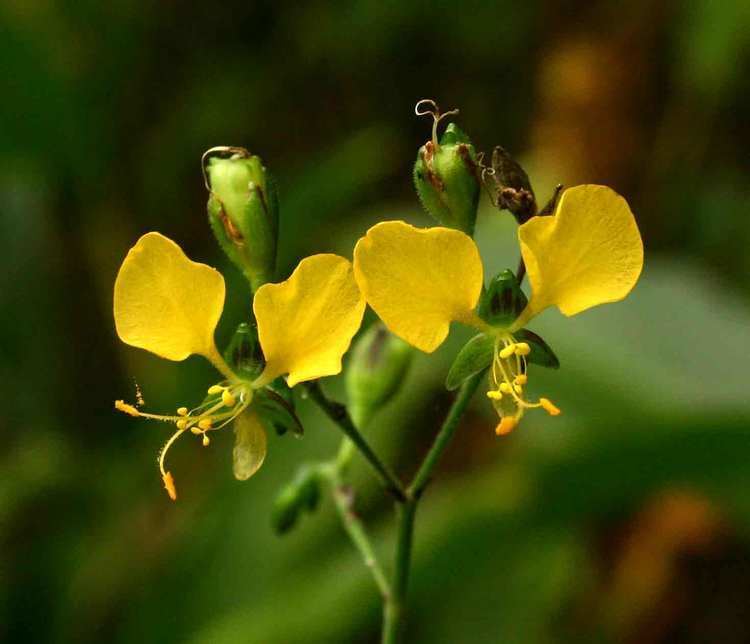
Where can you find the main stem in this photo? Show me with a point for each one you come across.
(339, 415)
(395, 606)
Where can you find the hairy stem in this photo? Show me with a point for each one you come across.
(339, 415)
(343, 498)
(394, 610)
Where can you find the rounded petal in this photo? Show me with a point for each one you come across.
(419, 280)
(305, 324)
(250, 445)
(166, 303)
(590, 252)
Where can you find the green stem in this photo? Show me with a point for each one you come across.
(443, 439)
(394, 610)
(339, 415)
(344, 501)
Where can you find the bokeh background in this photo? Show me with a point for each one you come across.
(626, 519)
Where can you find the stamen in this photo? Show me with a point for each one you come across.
(550, 408)
(228, 399)
(196, 430)
(523, 349)
(507, 351)
(206, 441)
(505, 388)
(521, 379)
(182, 411)
(506, 425)
(169, 485)
(181, 424)
(205, 423)
(494, 395)
(215, 389)
(124, 407)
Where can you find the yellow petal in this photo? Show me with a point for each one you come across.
(419, 280)
(249, 445)
(590, 252)
(305, 324)
(166, 303)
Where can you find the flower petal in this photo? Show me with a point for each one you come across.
(305, 324)
(166, 303)
(250, 445)
(419, 280)
(590, 252)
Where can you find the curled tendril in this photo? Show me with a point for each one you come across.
(486, 171)
(434, 112)
(223, 151)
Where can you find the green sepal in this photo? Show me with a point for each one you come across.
(503, 300)
(244, 354)
(446, 180)
(243, 213)
(301, 494)
(541, 353)
(475, 356)
(277, 412)
(377, 367)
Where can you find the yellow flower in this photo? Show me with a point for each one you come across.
(169, 305)
(420, 280)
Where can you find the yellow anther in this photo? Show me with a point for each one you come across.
(215, 389)
(182, 411)
(523, 349)
(227, 398)
(507, 352)
(505, 388)
(518, 389)
(494, 395)
(127, 409)
(521, 379)
(506, 426)
(206, 441)
(205, 423)
(169, 485)
(547, 405)
(195, 430)
(181, 424)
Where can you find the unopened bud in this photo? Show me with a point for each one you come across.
(377, 367)
(445, 175)
(300, 494)
(243, 210)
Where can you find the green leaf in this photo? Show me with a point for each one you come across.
(541, 353)
(277, 412)
(475, 356)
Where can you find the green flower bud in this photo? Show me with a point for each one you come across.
(377, 367)
(503, 300)
(243, 211)
(302, 494)
(445, 175)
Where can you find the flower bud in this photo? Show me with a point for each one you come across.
(243, 211)
(299, 495)
(445, 176)
(503, 300)
(377, 367)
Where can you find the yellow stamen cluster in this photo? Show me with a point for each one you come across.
(507, 381)
(226, 401)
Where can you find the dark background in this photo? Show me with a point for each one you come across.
(626, 519)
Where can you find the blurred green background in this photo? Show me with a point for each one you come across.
(627, 519)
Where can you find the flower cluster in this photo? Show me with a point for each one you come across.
(585, 251)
